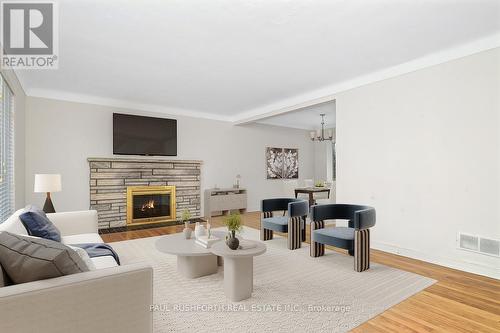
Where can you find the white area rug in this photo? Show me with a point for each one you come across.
(292, 291)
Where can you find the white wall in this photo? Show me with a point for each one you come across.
(62, 135)
(323, 160)
(19, 136)
(423, 149)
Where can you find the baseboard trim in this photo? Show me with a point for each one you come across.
(465, 266)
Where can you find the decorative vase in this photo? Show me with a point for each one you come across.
(232, 242)
(187, 230)
(199, 230)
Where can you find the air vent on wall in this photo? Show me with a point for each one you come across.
(489, 246)
(479, 244)
(468, 242)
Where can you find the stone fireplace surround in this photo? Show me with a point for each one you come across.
(109, 178)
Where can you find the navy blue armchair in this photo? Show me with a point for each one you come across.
(355, 238)
(292, 222)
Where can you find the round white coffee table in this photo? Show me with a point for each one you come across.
(192, 260)
(238, 269)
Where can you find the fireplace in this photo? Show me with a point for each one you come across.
(150, 204)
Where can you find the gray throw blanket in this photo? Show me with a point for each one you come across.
(99, 250)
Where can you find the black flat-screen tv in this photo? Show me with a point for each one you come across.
(138, 135)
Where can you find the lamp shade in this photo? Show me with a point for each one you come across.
(47, 183)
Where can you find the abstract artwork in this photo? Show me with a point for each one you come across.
(282, 163)
(274, 162)
(290, 163)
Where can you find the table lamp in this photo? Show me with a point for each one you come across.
(48, 183)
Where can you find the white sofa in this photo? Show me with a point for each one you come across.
(111, 298)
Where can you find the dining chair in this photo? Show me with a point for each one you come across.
(323, 197)
(308, 182)
(289, 186)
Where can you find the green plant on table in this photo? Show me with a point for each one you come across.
(233, 223)
(186, 216)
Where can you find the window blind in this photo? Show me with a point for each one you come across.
(6, 151)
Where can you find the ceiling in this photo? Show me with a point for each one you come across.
(308, 118)
(225, 59)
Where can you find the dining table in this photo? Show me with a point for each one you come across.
(310, 191)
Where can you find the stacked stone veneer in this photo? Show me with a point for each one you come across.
(109, 178)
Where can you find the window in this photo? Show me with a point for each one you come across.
(6, 151)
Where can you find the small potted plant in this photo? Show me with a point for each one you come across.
(186, 216)
(233, 224)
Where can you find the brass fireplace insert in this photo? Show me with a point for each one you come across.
(150, 204)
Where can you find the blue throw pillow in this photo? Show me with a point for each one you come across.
(37, 224)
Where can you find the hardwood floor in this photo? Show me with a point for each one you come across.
(458, 302)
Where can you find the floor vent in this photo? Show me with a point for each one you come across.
(479, 244)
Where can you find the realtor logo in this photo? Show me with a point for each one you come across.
(29, 35)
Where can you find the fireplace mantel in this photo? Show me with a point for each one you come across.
(141, 159)
(110, 177)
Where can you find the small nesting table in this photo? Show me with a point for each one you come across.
(238, 269)
(193, 260)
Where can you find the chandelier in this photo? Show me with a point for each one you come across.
(319, 135)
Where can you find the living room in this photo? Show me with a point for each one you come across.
(278, 166)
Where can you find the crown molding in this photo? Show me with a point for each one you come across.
(123, 104)
(328, 93)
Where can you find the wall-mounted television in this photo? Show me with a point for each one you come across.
(138, 135)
